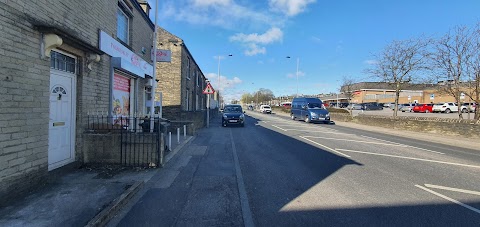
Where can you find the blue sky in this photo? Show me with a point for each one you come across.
(331, 39)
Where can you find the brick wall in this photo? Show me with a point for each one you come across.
(25, 79)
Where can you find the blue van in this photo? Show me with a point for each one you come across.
(309, 110)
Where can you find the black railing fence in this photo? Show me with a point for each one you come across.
(139, 145)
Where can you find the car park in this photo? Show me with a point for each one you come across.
(265, 109)
(309, 110)
(233, 115)
(423, 108)
(408, 107)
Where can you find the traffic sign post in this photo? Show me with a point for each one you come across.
(208, 90)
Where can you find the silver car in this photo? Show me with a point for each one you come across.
(407, 107)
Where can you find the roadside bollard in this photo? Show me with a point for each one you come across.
(184, 131)
(178, 135)
(170, 141)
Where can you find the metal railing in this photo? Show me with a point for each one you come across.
(140, 146)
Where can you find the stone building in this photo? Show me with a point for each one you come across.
(60, 60)
(181, 82)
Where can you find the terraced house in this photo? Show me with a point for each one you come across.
(59, 61)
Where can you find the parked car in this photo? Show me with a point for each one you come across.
(470, 106)
(423, 108)
(265, 109)
(309, 110)
(355, 106)
(392, 106)
(407, 107)
(233, 115)
(372, 106)
(447, 107)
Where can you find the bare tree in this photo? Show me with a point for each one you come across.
(473, 82)
(399, 62)
(452, 54)
(347, 89)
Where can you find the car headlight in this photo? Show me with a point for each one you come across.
(327, 115)
(225, 116)
(242, 116)
(314, 114)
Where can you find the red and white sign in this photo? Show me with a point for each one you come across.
(208, 89)
(163, 55)
(115, 49)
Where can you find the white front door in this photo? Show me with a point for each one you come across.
(61, 149)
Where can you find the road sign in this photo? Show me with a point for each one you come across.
(208, 89)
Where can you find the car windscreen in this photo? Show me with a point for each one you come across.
(232, 109)
(314, 105)
(266, 107)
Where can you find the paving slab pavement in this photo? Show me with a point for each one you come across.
(74, 195)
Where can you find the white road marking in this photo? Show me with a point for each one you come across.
(404, 157)
(450, 199)
(279, 128)
(327, 132)
(357, 141)
(328, 148)
(452, 189)
(419, 148)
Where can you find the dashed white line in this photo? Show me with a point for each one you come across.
(452, 189)
(328, 148)
(358, 141)
(404, 157)
(450, 199)
(279, 128)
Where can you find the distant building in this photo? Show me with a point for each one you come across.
(180, 81)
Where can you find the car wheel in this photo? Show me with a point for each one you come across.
(307, 119)
(448, 111)
(464, 110)
(427, 111)
(292, 116)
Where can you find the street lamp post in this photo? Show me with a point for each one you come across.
(298, 64)
(218, 79)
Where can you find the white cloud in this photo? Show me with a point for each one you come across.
(225, 83)
(251, 41)
(218, 13)
(272, 35)
(206, 3)
(290, 7)
(254, 49)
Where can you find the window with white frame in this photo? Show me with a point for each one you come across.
(123, 25)
(187, 100)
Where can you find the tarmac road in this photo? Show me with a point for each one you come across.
(279, 172)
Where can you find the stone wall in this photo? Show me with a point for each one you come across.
(445, 126)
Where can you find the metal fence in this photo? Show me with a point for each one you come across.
(140, 146)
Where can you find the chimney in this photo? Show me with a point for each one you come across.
(145, 6)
